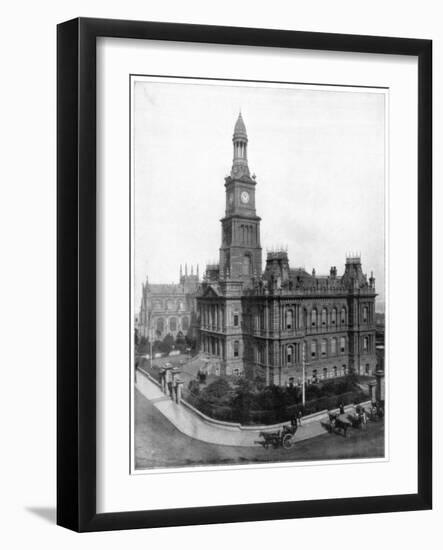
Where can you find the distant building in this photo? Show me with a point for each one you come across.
(169, 308)
(270, 322)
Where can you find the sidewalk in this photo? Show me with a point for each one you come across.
(194, 425)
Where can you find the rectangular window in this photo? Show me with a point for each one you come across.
(235, 319)
(236, 348)
(324, 316)
(342, 344)
(313, 349)
(323, 348)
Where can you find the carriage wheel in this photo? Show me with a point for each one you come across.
(287, 441)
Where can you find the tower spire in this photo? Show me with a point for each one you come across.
(240, 144)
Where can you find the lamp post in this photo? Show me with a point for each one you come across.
(303, 375)
(304, 365)
(150, 332)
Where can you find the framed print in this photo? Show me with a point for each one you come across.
(244, 274)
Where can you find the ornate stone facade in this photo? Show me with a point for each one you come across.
(169, 308)
(272, 322)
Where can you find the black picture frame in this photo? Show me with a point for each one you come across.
(76, 280)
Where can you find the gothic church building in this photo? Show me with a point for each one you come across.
(272, 322)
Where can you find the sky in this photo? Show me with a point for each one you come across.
(318, 156)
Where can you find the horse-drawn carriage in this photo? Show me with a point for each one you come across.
(356, 419)
(280, 438)
(339, 422)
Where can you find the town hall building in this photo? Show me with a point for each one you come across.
(275, 322)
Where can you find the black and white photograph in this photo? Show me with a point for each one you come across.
(258, 273)
(221, 275)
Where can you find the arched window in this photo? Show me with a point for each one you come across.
(262, 318)
(160, 325)
(289, 319)
(313, 348)
(170, 305)
(324, 344)
(365, 314)
(181, 306)
(365, 343)
(334, 346)
(314, 318)
(334, 316)
(246, 264)
(324, 317)
(185, 323)
(261, 354)
(342, 344)
(289, 354)
(172, 323)
(343, 316)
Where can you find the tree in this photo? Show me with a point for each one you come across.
(194, 387)
(167, 344)
(217, 391)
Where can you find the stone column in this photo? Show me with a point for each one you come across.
(178, 390)
(372, 391)
(380, 391)
(168, 378)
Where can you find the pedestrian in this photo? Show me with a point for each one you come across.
(293, 421)
(342, 408)
(175, 398)
(170, 389)
(365, 418)
(299, 415)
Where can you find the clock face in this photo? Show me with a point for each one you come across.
(244, 197)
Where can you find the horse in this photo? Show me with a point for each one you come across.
(336, 423)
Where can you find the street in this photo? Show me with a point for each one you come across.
(158, 444)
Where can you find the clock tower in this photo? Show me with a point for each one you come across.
(240, 252)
